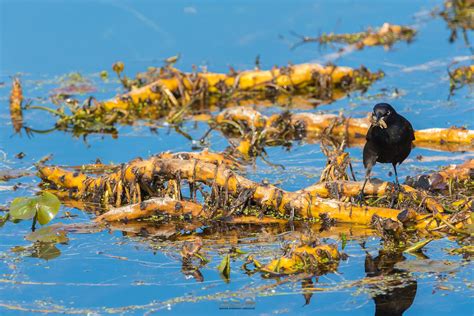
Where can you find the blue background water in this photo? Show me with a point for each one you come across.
(43, 40)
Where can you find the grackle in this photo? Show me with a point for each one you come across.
(389, 140)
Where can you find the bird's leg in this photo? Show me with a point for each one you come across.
(360, 196)
(396, 177)
(397, 187)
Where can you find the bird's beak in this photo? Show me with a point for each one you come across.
(379, 121)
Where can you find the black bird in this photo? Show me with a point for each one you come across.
(389, 140)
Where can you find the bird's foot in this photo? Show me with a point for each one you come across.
(360, 198)
(395, 195)
(392, 202)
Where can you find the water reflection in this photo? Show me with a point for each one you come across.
(307, 286)
(400, 292)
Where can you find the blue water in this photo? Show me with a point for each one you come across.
(95, 273)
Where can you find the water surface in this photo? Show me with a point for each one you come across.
(120, 273)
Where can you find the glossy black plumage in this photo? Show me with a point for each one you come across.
(389, 139)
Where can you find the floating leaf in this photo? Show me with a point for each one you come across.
(48, 206)
(45, 206)
(237, 251)
(49, 234)
(46, 251)
(418, 246)
(224, 268)
(23, 208)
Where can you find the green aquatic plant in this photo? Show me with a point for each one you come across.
(44, 241)
(224, 268)
(42, 208)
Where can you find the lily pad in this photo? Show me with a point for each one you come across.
(42, 250)
(23, 208)
(49, 234)
(48, 206)
(46, 251)
(45, 206)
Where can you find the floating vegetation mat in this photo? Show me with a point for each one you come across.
(253, 130)
(168, 92)
(154, 187)
(259, 206)
(460, 77)
(386, 36)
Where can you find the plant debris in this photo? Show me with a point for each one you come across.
(229, 194)
(459, 16)
(251, 131)
(386, 36)
(460, 77)
(174, 94)
(16, 100)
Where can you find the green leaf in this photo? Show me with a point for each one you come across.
(48, 206)
(49, 234)
(418, 246)
(344, 241)
(23, 208)
(46, 251)
(45, 206)
(224, 268)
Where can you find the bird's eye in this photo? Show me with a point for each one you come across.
(388, 113)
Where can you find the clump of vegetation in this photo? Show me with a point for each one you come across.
(16, 100)
(154, 185)
(169, 93)
(459, 15)
(314, 258)
(386, 36)
(460, 77)
(249, 131)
